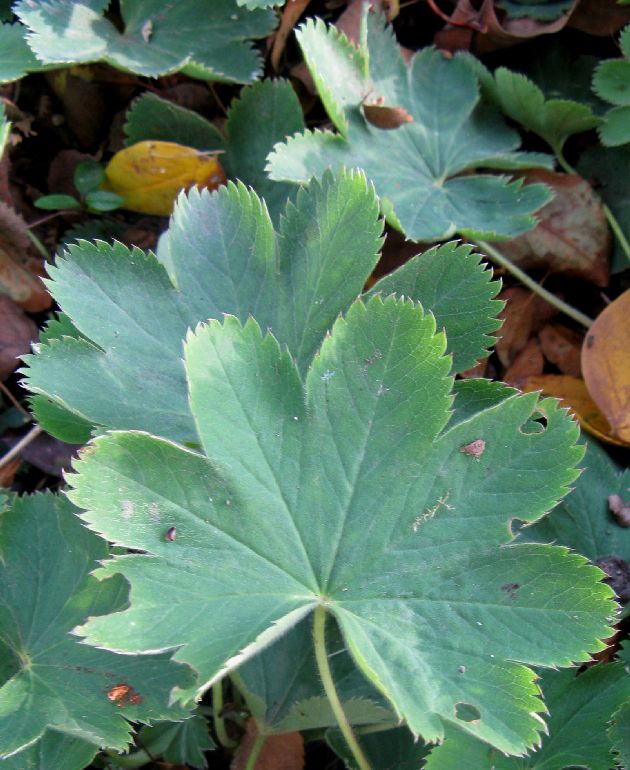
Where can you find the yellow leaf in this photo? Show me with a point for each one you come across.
(574, 395)
(150, 175)
(606, 364)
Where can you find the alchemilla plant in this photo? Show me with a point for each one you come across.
(301, 473)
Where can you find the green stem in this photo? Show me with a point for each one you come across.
(612, 219)
(319, 641)
(563, 307)
(38, 244)
(219, 723)
(259, 742)
(135, 759)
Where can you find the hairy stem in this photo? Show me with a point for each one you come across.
(219, 723)
(526, 280)
(319, 641)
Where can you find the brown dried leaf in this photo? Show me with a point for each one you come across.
(528, 363)
(280, 752)
(17, 331)
(562, 346)
(499, 30)
(522, 316)
(600, 17)
(20, 274)
(574, 395)
(572, 236)
(606, 364)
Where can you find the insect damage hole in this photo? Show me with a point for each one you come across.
(466, 712)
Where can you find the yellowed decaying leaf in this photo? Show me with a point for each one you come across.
(606, 365)
(574, 395)
(150, 175)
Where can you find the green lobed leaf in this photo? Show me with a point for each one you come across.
(54, 750)
(583, 520)
(285, 698)
(554, 120)
(390, 750)
(47, 555)
(580, 709)
(225, 258)
(615, 130)
(611, 81)
(151, 117)
(180, 743)
(17, 57)
(158, 38)
(266, 113)
(351, 493)
(417, 168)
(451, 281)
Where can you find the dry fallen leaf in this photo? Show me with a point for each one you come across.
(528, 363)
(150, 175)
(562, 346)
(572, 236)
(17, 331)
(19, 272)
(574, 395)
(279, 752)
(522, 316)
(606, 365)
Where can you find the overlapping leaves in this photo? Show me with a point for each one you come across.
(158, 37)
(221, 255)
(351, 494)
(49, 680)
(418, 167)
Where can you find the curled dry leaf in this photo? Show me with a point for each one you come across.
(19, 272)
(279, 752)
(528, 363)
(562, 346)
(522, 316)
(574, 395)
(572, 236)
(490, 31)
(606, 365)
(17, 331)
(150, 175)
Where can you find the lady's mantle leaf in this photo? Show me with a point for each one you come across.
(48, 678)
(159, 37)
(53, 750)
(580, 709)
(416, 168)
(223, 256)
(353, 495)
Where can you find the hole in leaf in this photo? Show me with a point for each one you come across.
(535, 425)
(467, 712)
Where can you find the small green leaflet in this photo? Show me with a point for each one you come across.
(611, 82)
(416, 168)
(222, 255)
(48, 678)
(264, 114)
(159, 37)
(580, 710)
(282, 701)
(349, 492)
(554, 120)
(179, 743)
(583, 520)
(390, 750)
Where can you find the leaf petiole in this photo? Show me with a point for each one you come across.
(219, 723)
(321, 656)
(500, 259)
